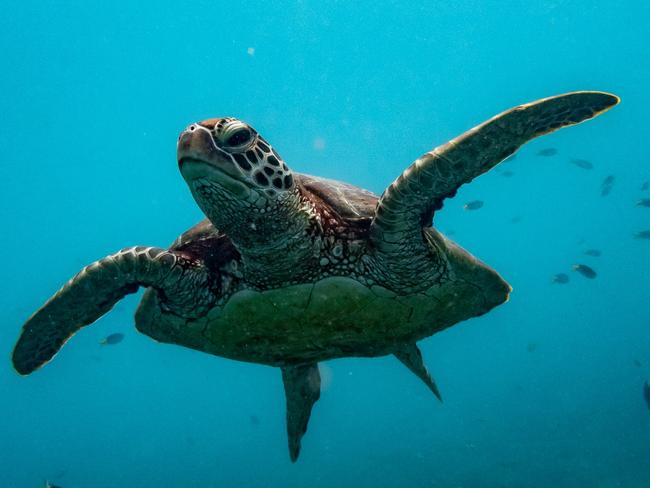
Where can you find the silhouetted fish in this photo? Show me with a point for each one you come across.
(593, 252)
(644, 202)
(636, 363)
(585, 271)
(643, 234)
(607, 185)
(507, 173)
(112, 339)
(531, 347)
(646, 393)
(561, 278)
(473, 205)
(582, 163)
(549, 151)
(645, 186)
(516, 219)
(254, 419)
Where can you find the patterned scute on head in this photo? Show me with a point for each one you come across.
(255, 158)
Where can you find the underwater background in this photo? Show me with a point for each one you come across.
(545, 390)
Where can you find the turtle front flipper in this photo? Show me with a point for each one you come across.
(183, 282)
(409, 203)
(302, 390)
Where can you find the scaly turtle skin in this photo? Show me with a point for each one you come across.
(289, 270)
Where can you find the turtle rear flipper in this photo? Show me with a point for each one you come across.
(183, 282)
(302, 390)
(410, 356)
(409, 203)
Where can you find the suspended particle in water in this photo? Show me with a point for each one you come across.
(319, 143)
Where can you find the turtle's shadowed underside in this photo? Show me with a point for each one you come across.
(289, 270)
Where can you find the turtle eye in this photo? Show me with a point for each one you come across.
(239, 138)
(236, 136)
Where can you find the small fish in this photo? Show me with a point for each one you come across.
(561, 278)
(646, 393)
(607, 185)
(507, 173)
(549, 151)
(644, 202)
(645, 186)
(473, 205)
(254, 419)
(585, 271)
(636, 363)
(644, 234)
(582, 163)
(593, 252)
(516, 219)
(531, 347)
(112, 339)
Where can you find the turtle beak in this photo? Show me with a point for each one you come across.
(197, 153)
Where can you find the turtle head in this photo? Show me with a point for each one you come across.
(230, 156)
(241, 183)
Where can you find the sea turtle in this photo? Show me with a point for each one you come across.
(289, 270)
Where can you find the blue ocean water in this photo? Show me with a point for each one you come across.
(545, 390)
